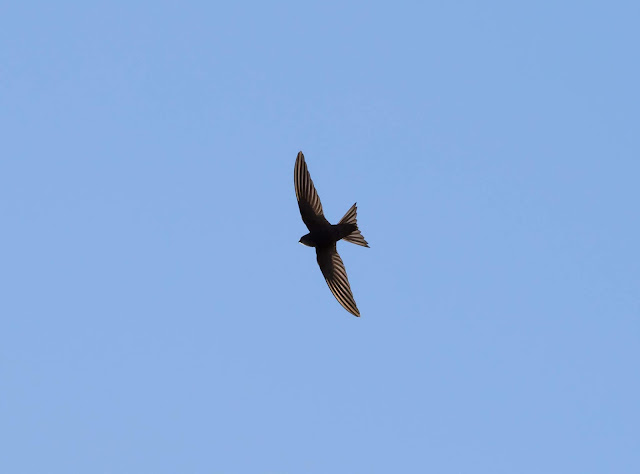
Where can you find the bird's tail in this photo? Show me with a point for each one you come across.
(350, 218)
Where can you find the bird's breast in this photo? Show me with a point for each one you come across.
(321, 237)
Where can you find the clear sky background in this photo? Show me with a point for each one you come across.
(159, 316)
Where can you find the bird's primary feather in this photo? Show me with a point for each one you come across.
(336, 276)
(308, 199)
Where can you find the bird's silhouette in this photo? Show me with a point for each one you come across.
(324, 236)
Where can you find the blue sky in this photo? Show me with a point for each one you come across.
(159, 315)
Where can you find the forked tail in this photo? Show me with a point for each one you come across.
(355, 237)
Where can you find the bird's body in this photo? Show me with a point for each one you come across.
(323, 235)
(326, 236)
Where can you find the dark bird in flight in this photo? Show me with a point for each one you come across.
(323, 235)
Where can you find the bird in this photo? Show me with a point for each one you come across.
(324, 236)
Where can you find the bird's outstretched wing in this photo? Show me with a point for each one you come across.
(336, 277)
(308, 200)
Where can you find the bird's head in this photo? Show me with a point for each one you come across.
(306, 240)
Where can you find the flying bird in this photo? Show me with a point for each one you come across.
(324, 236)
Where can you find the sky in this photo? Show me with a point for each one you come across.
(158, 314)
